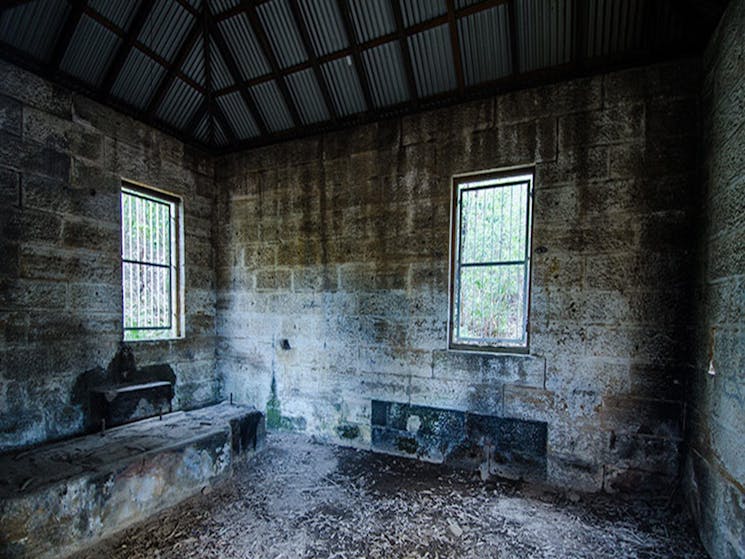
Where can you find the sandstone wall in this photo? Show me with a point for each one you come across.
(336, 247)
(62, 158)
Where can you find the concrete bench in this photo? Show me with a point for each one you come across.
(61, 497)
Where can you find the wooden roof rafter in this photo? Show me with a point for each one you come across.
(403, 44)
(138, 22)
(77, 7)
(354, 52)
(266, 48)
(235, 73)
(313, 60)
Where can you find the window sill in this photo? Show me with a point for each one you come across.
(494, 351)
(153, 341)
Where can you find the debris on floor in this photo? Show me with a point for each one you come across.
(303, 499)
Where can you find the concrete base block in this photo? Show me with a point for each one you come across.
(58, 498)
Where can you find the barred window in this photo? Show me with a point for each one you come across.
(490, 261)
(150, 264)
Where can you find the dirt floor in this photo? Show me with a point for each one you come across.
(298, 498)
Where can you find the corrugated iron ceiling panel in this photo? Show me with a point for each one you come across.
(221, 139)
(341, 77)
(614, 26)
(118, 12)
(221, 77)
(179, 104)
(279, 25)
(244, 46)
(371, 18)
(236, 112)
(325, 26)
(306, 93)
(166, 27)
(416, 11)
(138, 79)
(271, 105)
(202, 132)
(544, 33)
(385, 66)
(432, 58)
(33, 27)
(485, 45)
(193, 65)
(220, 6)
(89, 52)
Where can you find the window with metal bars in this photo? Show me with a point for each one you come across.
(490, 261)
(150, 264)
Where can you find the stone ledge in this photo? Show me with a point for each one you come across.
(61, 497)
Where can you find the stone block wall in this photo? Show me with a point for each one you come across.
(715, 465)
(62, 158)
(332, 272)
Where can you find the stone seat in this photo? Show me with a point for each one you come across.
(60, 497)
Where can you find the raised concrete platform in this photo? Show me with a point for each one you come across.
(61, 497)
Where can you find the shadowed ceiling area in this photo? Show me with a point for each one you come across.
(232, 74)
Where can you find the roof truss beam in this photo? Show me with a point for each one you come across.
(98, 18)
(355, 53)
(266, 48)
(403, 44)
(167, 80)
(143, 12)
(455, 46)
(65, 36)
(222, 48)
(372, 43)
(305, 37)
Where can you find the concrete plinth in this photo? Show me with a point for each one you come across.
(61, 497)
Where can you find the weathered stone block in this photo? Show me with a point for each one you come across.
(11, 117)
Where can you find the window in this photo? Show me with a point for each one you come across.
(151, 264)
(490, 261)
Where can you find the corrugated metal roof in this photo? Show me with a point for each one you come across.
(236, 112)
(221, 77)
(244, 46)
(138, 79)
(271, 106)
(432, 58)
(33, 27)
(460, 4)
(179, 104)
(385, 66)
(221, 139)
(671, 29)
(202, 132)
(166, 27)
(341, 77)
(306, 93)
(118, 12)
(220, 6)
(371, 18)
(89, 52)
(415, 11)
(614, 26)
(614, 33)
(193, 65)
(545, 33)
(279, 24)
(324, 24)
(484, 39)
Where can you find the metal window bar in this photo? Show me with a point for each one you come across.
(513, 210)
(148, 262)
